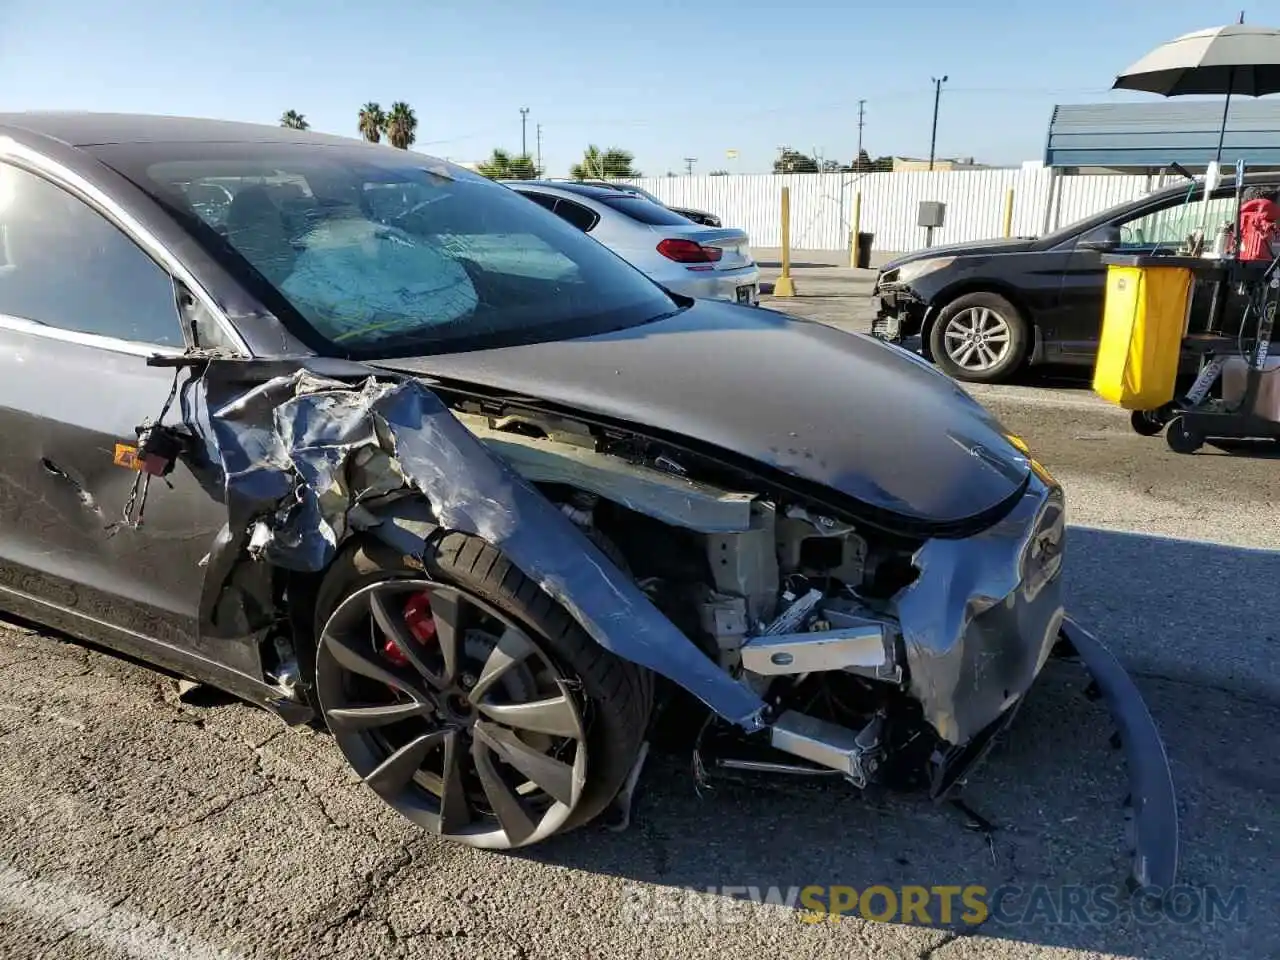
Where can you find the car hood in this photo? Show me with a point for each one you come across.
(864, 419)
(972, 249)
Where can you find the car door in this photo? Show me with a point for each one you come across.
(81, 308)
(1147, 229)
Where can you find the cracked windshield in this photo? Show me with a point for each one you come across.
(485, 480)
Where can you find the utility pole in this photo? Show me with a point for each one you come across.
(539, 134)
(937, 97)
(688, 165)
(861, 114)
(524, 119)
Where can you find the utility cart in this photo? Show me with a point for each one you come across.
(1146, 334)
(1146, 327)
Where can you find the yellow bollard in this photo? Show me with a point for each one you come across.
(857, 228)
(784, 286)
(1008, 213)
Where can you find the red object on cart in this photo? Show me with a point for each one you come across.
(1259, 224)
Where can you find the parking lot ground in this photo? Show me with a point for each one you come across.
(133, 824)
(818, 274)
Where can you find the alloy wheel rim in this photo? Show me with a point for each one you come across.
(453, 715)
(977, 339)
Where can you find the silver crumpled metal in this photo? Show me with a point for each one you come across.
(307, 459)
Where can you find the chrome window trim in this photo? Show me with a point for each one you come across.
(37, 163)
(114, 344)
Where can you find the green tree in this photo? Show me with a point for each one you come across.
(401, 125)
(373, 122)
(501, 165)
(294, 120)
(793, 161)
(718, 173)
(864, 164)
(612, 164)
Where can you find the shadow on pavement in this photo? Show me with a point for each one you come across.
(1054, 788)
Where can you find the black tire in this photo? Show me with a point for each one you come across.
(1018, 338)
(1144, 424)
(616, 694)
(1181, 438)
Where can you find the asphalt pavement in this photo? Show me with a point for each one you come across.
(134, 824)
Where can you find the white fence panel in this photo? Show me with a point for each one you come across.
(1082, 197)
(822, 204)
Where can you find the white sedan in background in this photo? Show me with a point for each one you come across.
(709, 263)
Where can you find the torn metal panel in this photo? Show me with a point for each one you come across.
(304, 456)
(979, 621)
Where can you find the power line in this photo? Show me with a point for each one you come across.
(688, 165)
(861, 113)
(539, 132)
(524, 120)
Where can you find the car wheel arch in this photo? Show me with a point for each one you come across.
(400, 534)
(949, 295)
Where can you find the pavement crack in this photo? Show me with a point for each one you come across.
(220, 806)
(1202, 685)
(375, 882)
(951, 937)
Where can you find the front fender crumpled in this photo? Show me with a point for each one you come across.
(980, 621)
(307, 460)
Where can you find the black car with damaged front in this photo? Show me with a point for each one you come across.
(982, 311)
(437, 468)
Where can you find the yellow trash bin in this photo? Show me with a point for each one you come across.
(1143, 322)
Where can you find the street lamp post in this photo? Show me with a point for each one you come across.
(937, 97)
(524, 120)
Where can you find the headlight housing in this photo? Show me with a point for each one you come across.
(916, 269)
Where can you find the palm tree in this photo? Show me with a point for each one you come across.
(294, 120)
(612, 164)
(501, 165)
(373, 122)
(401, 125)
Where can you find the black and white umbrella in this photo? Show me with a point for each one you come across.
(1227, 61)
(1238, 59)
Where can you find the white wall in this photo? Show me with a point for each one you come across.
(822, 203)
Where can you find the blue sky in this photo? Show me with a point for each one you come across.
(664, 79)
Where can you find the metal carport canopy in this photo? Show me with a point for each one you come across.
(1149, 136)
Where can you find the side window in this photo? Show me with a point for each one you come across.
(62, 264)
(1170, 226)
(542, 200)
(581, 217)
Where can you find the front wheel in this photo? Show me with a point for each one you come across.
(979, 338)
(470, 701)
(1181, 438)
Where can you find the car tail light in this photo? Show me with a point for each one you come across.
(689, 251)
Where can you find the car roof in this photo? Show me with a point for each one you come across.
(86, 129)
(575, 186)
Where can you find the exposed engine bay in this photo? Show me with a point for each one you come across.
(819, 641)
(800, 606)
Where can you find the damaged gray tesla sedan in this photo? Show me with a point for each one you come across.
(360, 436)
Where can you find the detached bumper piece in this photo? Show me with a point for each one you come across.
(857, 755)
(1155, 805)
(897, 316)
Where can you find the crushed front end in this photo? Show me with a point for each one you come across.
(912, 687)
(900, 311)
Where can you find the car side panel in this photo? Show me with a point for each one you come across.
(64, 408)
(1031, 281)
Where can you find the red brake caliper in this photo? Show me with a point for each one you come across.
(417, 617)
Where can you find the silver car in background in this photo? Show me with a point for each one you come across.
(709, 263)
